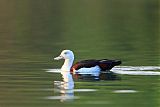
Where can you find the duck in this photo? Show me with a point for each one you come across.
(92, 67)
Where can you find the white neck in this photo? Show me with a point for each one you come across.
(67, 65)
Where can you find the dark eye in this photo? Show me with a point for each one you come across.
(65, 52)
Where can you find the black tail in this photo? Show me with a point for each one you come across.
(116, 62)
(106, 64)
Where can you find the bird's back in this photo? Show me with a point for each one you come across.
(104, 64)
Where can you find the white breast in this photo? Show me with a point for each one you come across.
(94, 71)
(67, 77)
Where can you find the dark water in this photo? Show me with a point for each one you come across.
(32, 32)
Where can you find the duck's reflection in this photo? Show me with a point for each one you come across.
(65, 90)
(102, 76)
(65, 87)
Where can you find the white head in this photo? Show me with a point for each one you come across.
(65, 54)
(69, 58)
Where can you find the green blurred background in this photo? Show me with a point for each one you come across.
(122, 29)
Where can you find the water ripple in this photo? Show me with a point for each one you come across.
(137, 70)
(124, 91)
(128, 70)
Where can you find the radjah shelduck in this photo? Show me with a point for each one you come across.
(92, 67)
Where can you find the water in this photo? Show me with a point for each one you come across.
(67, 95)
(33, 32)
